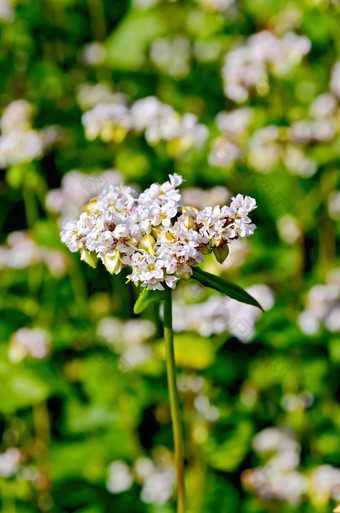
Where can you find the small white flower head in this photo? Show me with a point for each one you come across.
(120, 477)
(9, 462)
(29, 342)
(152, 233)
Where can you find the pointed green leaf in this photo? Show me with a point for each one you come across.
(224, 286)
(146, 297)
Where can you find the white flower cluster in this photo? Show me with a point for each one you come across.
(19, 142)
(247, 67)
(216, 315)
(7, 10)
(77, 188)
(9, 462)
(172, 56)
(157, 478)
(158, 122)
(33, 342)
(325, 484)
(147, 234)
(128, 338)
(198, 389)
(281, 479)
(323, 307)
(21, 251)
(270, 145)
(90, 95)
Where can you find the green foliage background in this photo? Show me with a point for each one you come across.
(75, 412)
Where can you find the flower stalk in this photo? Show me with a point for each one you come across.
(174, 401)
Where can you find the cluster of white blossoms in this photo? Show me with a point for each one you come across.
(19, 141)
(20, 251)
(322, 307)
(29, 342)
(7, 10)
(90, 95)
(127, 338)
(158, 121)
(156, 477)
(77, 188)
(153, 234)
(9, 462)
(270, 146)
(172, 56)
(280, 478)
(247, 67)
(216, 315)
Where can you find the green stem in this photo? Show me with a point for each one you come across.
(174, 402)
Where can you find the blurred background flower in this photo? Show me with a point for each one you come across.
(235, 96)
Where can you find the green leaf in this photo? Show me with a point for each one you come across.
(146, 297)
(224, 286)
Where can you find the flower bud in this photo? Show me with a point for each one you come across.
(189, 223)
(189, 209)
(112, 261)
(147, 243)
(91, 206)
(156, 231)
(132, 241)
(221, 253)
(89, 257)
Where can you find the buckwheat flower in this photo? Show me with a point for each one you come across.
(7, 10)
(247, 66)
(160, 122)
(322, 307)
(215, 315)
(19, 142)
(323, 106)
(325, 482)
(9, 462)
(17, 116)
(108, 121)
(90, 95)
(158, 488)
(120, 477)
(33, 342)
(172, 56)
(234, 122)
(149, 234)
(224, 152)
(76, 190)
(296, 162)
(94, 54)
(264, 152)
(18, 147)
(304, 132)
(19, 252)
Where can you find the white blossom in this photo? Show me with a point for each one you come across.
(152, 233)
(9, 462)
